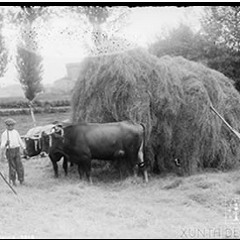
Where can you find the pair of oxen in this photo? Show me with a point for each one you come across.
(80, 143)
(37, 141)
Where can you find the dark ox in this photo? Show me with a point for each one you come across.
(83, 142)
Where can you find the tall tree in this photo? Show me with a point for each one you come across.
(30, 68)
(101, 24)
(29, 61)
(96, 16)
(3, 49)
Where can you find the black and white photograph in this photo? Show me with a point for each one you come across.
(119, 121)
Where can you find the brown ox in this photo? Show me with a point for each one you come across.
(80, 143)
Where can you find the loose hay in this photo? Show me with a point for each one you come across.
(171, 96)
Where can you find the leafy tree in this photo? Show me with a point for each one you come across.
(221, 26)
(216, 44)
(181, 41)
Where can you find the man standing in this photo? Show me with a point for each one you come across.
(11, 142)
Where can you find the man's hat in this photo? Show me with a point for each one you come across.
(10, 121)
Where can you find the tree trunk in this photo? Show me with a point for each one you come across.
(32, 114)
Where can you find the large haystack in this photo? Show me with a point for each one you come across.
(171, 96)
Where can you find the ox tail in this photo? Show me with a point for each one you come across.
(142, 151)
(50, 141)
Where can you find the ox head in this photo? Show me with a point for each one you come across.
(45, 138)
(56, 138)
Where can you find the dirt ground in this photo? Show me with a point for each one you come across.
(199, 206)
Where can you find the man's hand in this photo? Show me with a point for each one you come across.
(7, 143)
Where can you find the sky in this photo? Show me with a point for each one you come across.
(66, 41)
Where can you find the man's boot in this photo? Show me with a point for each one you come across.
(14, 183)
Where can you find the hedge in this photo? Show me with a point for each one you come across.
(26, 111)
(24, 104)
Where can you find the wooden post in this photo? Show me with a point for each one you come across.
(224, 121)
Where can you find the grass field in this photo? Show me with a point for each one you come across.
(199, 206)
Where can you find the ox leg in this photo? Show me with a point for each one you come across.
(85, 167)
(120, 157)
(89, 177)
(142, 163)
(88, 171)
(120, 170)
(65, 165)
(132, 167)
(55, 168)
(80, 171)
(135, 171)
(132, 164)
(118, 164)
(54, 159)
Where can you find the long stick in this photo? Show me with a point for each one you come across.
(8, 183)
(231, 128)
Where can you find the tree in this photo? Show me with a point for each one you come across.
(181, 41)
(29, 62)
(96, 17)
(101, 24)
(3, 49)
(29, 66)
(216, 44)
(221, 26)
